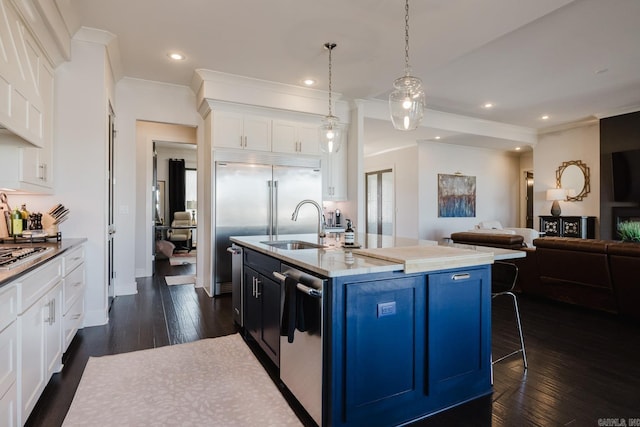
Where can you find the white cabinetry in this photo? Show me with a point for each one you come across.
(8, 355)
(334, 175)
(73, 285)
(23, 73)
(26, 108)
(39, 333)
(293, 137)
(237, 130)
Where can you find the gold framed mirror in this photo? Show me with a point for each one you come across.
(574, 175)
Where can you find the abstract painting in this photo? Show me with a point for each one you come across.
(456, 196)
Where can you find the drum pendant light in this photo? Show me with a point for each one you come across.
(331, 128)
(407, 101)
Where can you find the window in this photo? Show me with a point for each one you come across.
(191, 191)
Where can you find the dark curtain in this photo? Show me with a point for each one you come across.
(176, 187)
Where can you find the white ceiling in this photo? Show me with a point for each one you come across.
(569, 59)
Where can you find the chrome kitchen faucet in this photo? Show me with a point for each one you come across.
(294, 216)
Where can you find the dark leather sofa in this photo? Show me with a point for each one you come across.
(505, 241)
(624, 263)
(575, 271)
(598, 274)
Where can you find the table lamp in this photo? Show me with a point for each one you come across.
(556, 194)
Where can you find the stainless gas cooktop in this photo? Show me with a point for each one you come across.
(14, 256)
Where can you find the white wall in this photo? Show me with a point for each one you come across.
(497, 187)
(83, 89)
(148, 101)
(579, 143)
(416, 172)
(404, 164)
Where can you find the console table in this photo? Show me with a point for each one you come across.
(583, 227)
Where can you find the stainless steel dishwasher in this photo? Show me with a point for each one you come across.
(301, 360)
(237, 291)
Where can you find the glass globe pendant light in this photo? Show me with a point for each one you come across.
(331, 128)
(407, 101)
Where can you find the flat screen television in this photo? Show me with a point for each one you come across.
(625, 166)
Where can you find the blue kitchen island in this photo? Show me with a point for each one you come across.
(405, 326)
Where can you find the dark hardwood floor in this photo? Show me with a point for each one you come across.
(583, 365)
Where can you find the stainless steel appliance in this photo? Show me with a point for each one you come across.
(14, 256)
(301, 359)
(255, 194)
(237, 296)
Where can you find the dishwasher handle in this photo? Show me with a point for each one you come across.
(234, 250)
(302, 288)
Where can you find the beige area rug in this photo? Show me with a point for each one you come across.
(211, 382)
(188, 279)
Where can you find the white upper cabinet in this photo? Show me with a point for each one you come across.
(293, 137)
(24, 87)
(334, 175)
(26, 108)
(241, 131)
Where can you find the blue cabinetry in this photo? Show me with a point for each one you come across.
(459, 335)
(384, 348)
(262, 303)
(396, 347)
(406, 346)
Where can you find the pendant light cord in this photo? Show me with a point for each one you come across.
(330, 46)
(406, 37)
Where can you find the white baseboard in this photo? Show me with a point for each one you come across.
(95, 318)
(125, 288)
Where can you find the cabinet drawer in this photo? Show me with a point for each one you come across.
(72, 321)
(8, 341)
(72, 288)
(261, 263)
(9, 407)
(8, 305)
(73, 259)
(34, 285)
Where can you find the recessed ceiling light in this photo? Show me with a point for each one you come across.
(309, 82)
(438, 137)
(517, 148)
(488, 105)
(545, 117)
(176, 56)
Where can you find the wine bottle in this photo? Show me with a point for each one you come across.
(16, 223)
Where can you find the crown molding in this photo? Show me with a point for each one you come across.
(587, 121)
(377, 109)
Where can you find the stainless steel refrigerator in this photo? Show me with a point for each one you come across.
(255, 194)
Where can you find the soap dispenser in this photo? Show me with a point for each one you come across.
(349, 235)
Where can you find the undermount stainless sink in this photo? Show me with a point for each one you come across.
(292, 245)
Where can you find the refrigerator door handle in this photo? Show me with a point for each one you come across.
(270, 213)
(275, 206)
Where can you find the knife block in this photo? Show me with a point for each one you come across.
(48, 225)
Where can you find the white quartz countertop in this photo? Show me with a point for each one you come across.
(334, 260)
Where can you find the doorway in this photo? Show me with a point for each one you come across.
(170, 242)
(529, 183)
(111, 228)
(379, 212)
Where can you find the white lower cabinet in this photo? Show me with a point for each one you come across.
(8, 355)
(39, 333)
(73, 285)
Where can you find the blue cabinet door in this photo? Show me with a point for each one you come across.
(384, 351)
(459, 335)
